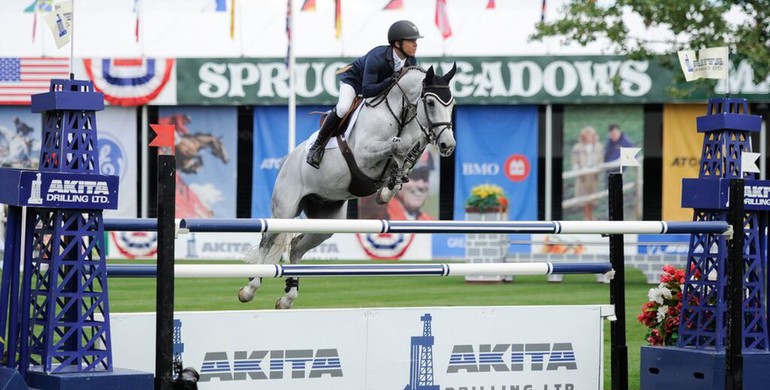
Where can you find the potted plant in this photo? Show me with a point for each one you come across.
(486, 198)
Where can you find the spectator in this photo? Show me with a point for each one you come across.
(586, 154)
(616, 139)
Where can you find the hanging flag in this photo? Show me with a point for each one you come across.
(628, 157)
(442, 20)
(491, 4)
(542, 12)
(221, 5)
(308, 5)
(337, 19)
(232, 19)
(394, 4)
(22, 77)
(136, 25)
(711, 63)
(749, 162)
(288, 32)
(60, 23)
(38, 6)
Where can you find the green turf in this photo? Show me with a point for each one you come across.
(137, 295)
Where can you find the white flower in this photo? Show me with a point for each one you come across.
(662, 312)
(660, 293)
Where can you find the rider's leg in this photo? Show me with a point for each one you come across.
(332, 121)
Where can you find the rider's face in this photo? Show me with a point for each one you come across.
(409, 47)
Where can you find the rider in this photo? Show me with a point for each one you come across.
(368, 76)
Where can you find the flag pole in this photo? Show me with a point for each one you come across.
(292, 77)
(72, 42)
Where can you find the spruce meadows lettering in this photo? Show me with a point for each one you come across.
(490, 79)
(81, 191)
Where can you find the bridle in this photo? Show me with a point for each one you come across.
(429, 129)
(440, 93)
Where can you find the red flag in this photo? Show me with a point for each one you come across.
(394, 4)
(164, 136)
(308, 5)
(491, 4)
(337, 19)
(442, 21)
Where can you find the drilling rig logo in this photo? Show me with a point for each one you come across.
(421, 358)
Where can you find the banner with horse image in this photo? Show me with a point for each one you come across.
(206, 157)
(593, 136)
(495, 145)
(20, 133)
(271, 145)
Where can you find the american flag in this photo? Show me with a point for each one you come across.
(22, 77)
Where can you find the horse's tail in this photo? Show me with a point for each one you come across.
(281, 248)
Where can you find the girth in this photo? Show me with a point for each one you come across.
(360, 184)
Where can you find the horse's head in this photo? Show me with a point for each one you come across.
(435, 115)
(219, 150)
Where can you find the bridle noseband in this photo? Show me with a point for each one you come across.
(429, 129)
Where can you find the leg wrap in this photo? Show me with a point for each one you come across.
(291, 282)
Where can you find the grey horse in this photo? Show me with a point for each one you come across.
(390, 133)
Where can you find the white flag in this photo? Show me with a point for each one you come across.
(711, 63)
(628, 157)
(60, 22)
(749, 162)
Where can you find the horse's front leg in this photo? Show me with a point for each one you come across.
(381, 149)
(299, 246)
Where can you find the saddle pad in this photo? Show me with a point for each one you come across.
(332, 144)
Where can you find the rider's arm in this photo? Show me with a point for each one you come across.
(370, 85)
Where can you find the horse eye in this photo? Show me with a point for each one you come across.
(431, 103)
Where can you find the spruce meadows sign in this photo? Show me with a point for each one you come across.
(479, 80)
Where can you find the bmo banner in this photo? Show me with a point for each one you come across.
(379, 349)
(495, 145)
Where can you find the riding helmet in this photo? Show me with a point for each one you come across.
(403, 29)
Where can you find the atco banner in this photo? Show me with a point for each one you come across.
(495, 145)
(681, 155)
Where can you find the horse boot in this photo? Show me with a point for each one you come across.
(316, 152)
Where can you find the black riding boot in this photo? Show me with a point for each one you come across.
(316, 152)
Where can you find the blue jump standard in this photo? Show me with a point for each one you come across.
(118, 379)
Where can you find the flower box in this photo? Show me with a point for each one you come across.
(486, 203)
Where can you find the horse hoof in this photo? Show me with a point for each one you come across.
(384, 196)
(246, 294)
(282, 304)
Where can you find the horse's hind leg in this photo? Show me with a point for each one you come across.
(270, 249)
(305, 242)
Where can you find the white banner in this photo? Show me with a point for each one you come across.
(711, 63)
(235, 246)
(526, 347)
(118, 154)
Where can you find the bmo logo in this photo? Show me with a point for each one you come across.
(481, 169)
(517, 167)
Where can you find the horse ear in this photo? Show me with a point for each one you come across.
(448, 76)
(429, 74)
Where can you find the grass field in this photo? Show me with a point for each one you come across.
(138, 295)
